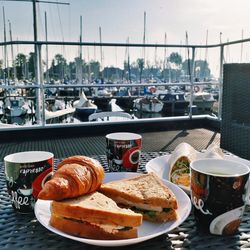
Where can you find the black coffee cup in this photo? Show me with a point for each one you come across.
(25, 174)
(219, 190)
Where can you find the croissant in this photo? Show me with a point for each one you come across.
(76, 175)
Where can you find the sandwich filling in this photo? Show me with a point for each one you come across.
(140, 206)
(152, 213)
(105, 227)
(149, 211)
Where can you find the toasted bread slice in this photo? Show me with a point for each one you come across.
(146, 190)
(92, 231)
(96, 208)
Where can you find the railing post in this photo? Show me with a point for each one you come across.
(41, 85)
(40, 90)
(221, 81)
(192, 83)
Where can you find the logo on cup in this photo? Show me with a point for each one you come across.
(131, 157)
(134, 157)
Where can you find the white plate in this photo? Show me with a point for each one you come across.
(160, 166)
(146, 231)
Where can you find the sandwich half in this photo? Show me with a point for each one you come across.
(182, 156)
(94, 216)
(179, 161)
(145, 194)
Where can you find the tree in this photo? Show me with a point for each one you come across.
(175, 58)
(31, 64)
(126, 67)
(72, 70)
(202, 71)
(140, 63)
(1, 69)
(58, 67)
(21, 61)
(95, 69)
(186, 66)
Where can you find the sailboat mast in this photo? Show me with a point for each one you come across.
(79, 62)
(129, 71)
(47, 52)
(206, 45)
(12, 52)
(80, 37)
(165, 55)
(144, 35)
(165, 51)
(205, 61)
(189, 66)
(101, 54)
(241, 48)
(5, 48)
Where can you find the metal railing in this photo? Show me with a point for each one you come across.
(40, 86)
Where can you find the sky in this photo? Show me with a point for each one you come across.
(121, 20)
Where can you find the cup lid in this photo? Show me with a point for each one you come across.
(28, 157)
(123, 136)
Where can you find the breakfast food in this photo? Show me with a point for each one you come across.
(94, 216)
(179, 161)
(181, 157)
(76, 175)
(145, 194)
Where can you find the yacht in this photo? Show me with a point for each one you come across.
(203, 100)
(14, 106)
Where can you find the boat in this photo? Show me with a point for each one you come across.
(203, 100)
(174, 102)
(124, 98)
(84, 107)
(111, 116)
(148, 104)
(14, 106)
(103, 92)
(53, 104)
(114, 106)
(58, 113)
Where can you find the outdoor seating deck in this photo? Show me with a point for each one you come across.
(165, 141)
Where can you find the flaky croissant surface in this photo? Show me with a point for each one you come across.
(76, 175)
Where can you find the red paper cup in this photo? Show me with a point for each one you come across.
(123, 151)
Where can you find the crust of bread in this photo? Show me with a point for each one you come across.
(96, 208)
(146, 189)
(162, 216)
(87, 230)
